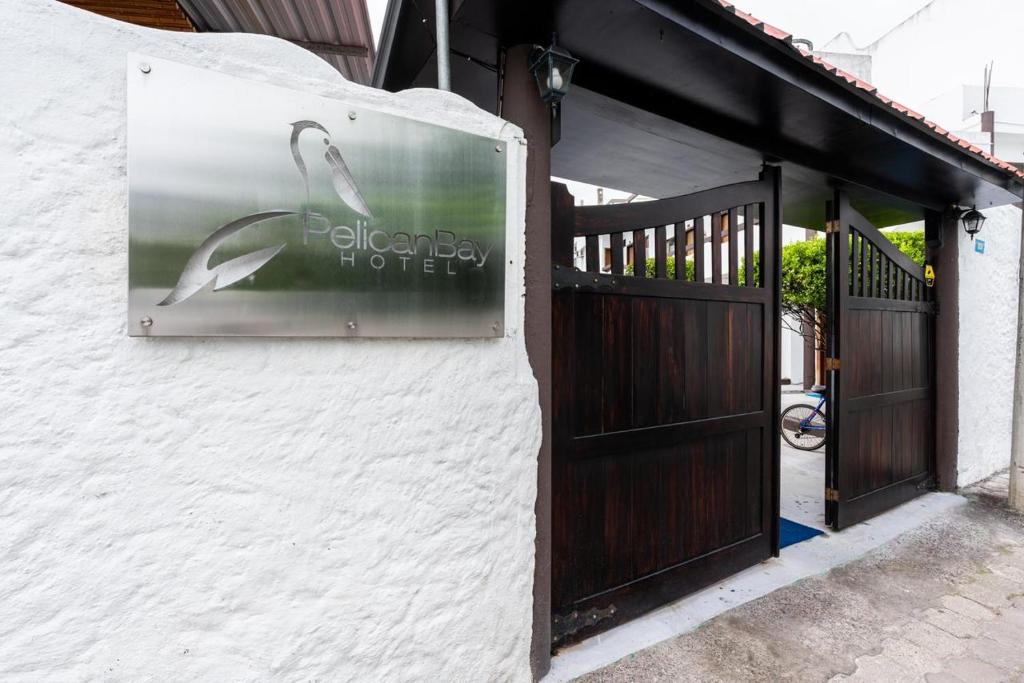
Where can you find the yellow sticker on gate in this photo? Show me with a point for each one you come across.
(929, 276)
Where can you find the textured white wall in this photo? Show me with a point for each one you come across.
(177, 509)
(988, 333)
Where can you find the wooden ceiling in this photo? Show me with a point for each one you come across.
(161, 14)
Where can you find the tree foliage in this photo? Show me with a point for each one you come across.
(670, 268)
(803, 281)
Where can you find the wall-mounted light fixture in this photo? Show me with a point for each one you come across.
(972, 220)
(552, 68)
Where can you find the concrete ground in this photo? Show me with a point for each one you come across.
(803, 476)
(944, 602)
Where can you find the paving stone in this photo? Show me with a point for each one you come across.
(933, 639)
(955, 624)
(913, 658)
(971, 669)
(943, 677)
(985, 594)
(1003, 633)
(880, 668)
(968, 608)
(1005, 655)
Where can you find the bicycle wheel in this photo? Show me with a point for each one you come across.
(803, 427)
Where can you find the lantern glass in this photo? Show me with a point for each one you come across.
(972, 220)
(552, 69)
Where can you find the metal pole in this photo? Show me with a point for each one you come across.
(444, 72)
(1017, 439)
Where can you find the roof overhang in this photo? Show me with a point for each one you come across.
(672, 96)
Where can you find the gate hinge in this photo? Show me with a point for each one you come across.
(831, 227)
(568, 624)
(832, 495)
(831, 364)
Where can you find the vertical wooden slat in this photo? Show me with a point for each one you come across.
(882, 263)
(698, 249)
(869, 274)
(660, 252)
(865, 269)
(616, 240)
(593, 254)
(854, 264)
(717, 223)
(680, 235)
(734, 247)
(640, 253)
(748, 245)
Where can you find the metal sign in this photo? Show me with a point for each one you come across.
(258, 210)
(929, 275)
(979, 246)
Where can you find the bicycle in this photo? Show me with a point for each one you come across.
(804, 426)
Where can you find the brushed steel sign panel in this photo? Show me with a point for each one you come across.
(257, 210)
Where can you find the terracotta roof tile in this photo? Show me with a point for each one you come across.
(786, 38)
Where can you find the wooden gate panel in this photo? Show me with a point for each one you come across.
(880, 445)
(664, 469)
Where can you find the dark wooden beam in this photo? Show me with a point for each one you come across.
(944, 258)
(333, 48)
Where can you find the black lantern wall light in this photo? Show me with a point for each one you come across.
(552, 68)
(972, 220)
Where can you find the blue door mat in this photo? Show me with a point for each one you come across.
(791, 532)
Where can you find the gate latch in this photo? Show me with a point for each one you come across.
(831, 364)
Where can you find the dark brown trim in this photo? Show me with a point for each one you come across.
(856, 221)
(333, 48)
(647, 437)
(946, 293)
(771, 274)
(601, 220)
(523, 107)
(875, 304)
(645, 595)
(564, 278)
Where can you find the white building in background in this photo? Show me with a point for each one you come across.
(913, 64)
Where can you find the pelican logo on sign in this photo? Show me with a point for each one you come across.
(197, 273)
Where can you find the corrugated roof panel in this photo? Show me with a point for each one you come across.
(332, 25)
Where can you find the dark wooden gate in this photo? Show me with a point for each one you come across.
(881, 405)
(665, 405)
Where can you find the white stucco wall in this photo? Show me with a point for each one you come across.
(988, 329)
(235, 509)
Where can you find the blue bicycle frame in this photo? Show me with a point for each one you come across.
(805, 424)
